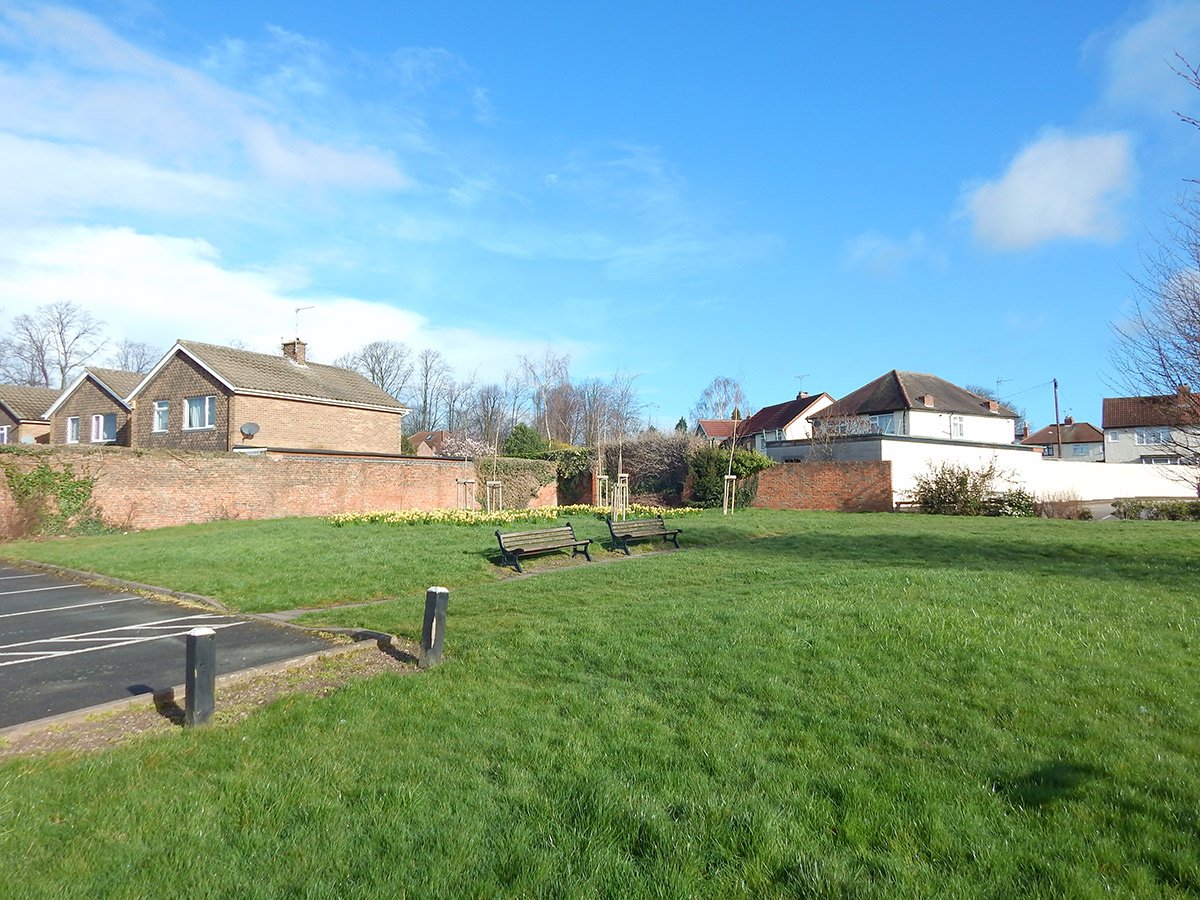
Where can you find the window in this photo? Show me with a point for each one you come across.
(884, 423)
(957, 426)
(1080, 450)
(3, 434)
(1157, 435)
(73, 430)
(162, 409)
(104, 428)
(1113, 437)
(201, 412)
(1048, 450)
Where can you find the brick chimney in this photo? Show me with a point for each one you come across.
(1069, 420)
(1184, 391)
(294, 350)
(993, 406)
(802, 395)
(926, 400)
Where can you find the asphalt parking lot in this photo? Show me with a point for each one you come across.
(66, 646)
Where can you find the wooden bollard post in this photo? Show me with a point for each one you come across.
(200, 679)
(433, 632)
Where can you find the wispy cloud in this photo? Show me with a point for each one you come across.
(1058, 187)
(1138, 56)
(157, 288)
(882, 255)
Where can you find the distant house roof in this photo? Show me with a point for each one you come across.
(247, 372)
(780, 415)
(718, 429)
(117, 383)
(1182, 408)
(432, 439)
(26, 403)
(1072, 433)
(898, 390)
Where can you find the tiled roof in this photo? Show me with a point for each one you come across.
(26, 403)
(905, 390)
(118, 381)
(1075, 433)
(719, 429)
(780, 415)
(251, 372)
(1130, 412)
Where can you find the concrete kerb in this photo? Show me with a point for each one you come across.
(93, 578)
(177, 694)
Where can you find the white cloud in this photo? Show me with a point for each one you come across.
(1139, 57)
(883, 255)
(158, 289)
(1057, 187)
(110, 107)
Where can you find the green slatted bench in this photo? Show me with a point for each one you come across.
(516, 544)
(640, 530)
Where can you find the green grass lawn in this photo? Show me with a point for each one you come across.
(796, 703)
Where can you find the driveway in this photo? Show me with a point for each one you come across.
(65, 646)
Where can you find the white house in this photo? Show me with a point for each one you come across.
(1162, 430)
(788, 421)
(1078, 441)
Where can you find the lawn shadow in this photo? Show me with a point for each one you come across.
(164, 701)
(1046, 784)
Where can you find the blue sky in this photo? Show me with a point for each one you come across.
(679, 190)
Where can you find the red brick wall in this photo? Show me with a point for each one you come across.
(848, 486)
(155, 488)
(297, 424)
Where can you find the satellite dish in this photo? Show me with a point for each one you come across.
(249, 430)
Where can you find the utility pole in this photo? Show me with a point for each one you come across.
(1057, 423)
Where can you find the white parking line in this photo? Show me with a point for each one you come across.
(54, 587)
(48, 609)
(177, 627)
(11, 577)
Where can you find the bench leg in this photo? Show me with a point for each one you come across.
(516, 562)
(625, 546)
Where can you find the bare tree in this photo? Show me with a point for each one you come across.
(49, 346)
(718, 401)
(455, 398)
(388, 364)
(487, 416)
(432, 371)
(134, 356)
(553, 401)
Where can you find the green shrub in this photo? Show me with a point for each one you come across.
(708, 467)
(524, 443)
(1174, 510)
(948, 489)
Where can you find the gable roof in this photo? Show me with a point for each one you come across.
(780, 415)
(262, 374)
(27, 403)
(718, 429)
(1072, 433)
(1172, 409)
(898, 390)
(117, 383)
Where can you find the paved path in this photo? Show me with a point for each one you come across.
(65, 646)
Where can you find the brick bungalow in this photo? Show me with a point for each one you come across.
(23, 417)
(207, 397)
(94, 408)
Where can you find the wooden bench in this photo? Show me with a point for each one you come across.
(515, 544)
(640, 529)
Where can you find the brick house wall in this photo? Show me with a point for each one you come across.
(87, 400)
(306, 425)
(175, 382)
(846, 486)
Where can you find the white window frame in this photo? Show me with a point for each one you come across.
(98, 435)
(3, 434)
(1152, 436)
(958, 426)
(72, 436)
(1048, 450)
(1113, 437)
(883, 423)
(162, 416)
(1080, 450)
(209, 411)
